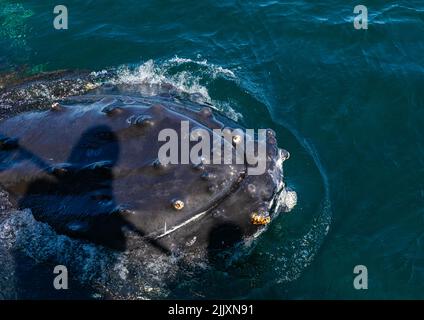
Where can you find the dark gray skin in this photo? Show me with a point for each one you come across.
(88, 167)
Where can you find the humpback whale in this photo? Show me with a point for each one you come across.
(85, 161)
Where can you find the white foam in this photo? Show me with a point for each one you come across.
(151, 74)
(228, 110)
(92, 264)
(194, 84)
(287, 199)
(216, 70)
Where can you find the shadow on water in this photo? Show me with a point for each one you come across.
(76, 198)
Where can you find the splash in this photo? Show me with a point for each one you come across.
(151, 74)
(98, 267)
(291, 258)
(186, 76)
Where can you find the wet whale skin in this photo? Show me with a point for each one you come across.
(89, 169)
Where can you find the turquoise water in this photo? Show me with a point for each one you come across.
(348, 104)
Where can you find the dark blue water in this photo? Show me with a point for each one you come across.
(348, 104)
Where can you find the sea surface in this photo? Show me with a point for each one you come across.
(348, 104)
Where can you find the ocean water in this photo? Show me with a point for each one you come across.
(348, 104)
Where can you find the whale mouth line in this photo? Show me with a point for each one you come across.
(272, 208)
(202, 213)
